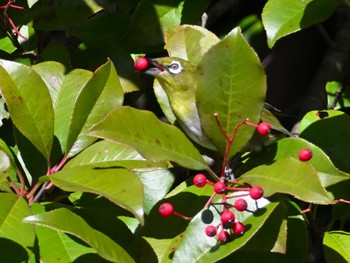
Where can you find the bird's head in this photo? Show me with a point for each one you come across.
(174, 74)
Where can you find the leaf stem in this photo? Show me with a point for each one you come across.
(229, 145)
(18, 192)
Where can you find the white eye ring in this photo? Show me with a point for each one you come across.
(175, 67)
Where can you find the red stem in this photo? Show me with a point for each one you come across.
(15, 28)
(18, 192)
(31, 193)
(228, 146)
(182, 216)
(209, 200)
(59, 166)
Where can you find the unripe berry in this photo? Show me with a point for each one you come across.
(220, 188)
(227, 218)
(305, 154)
(210, 231)
(199, 180)
(238, 228)
(241, 204)
(256, 192)
(141, 63)
(264, 128)
(166, 209)
(223, 236)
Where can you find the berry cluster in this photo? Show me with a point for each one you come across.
(228, 223)
(228, 218)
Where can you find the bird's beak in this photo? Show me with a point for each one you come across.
(155, 67)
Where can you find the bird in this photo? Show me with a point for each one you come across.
(178, 79)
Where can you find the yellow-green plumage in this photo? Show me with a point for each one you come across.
(179, 85)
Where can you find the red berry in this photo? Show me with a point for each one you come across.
(264, 128)
(227, 218)
(210, 231)
(166, 209)
(305, 154)
(238, 228)
(256, 192)
(223, 236)
(220, 188)
(141, 63)
(199, 180)
(241, 204)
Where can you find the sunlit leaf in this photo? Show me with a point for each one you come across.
(336, 246)
(13, 210)
(281, 18)
(57, 245)
(84, 99)
(196, 245)
(111, 97)
(232, 84)
(119, 185)
(52, 73)
(66, 221)
(189, 42)
(152, 138)
(278, 169)
(29, 103)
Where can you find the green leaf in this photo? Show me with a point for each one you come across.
(281, 18)
(319, 128)
(66, 221)
(232, 84)
(56, 246)
(110, 98)
(120, 186)
(336, 245)
(155, 179)
(72, 86)
(195, 246)
(189, 42)
(277, 169)
(6, 45)
(104, 153)
(299, 180)
(84, 99)
(156, 185)
(13, 210)
(52, 73)
(29, 103)
(152, 138)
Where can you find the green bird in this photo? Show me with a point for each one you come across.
(176, 76)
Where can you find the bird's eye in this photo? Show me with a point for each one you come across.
(175, 67)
